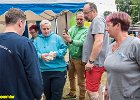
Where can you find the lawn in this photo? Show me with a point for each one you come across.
(67, 88)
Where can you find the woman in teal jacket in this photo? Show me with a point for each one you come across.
(51, 50)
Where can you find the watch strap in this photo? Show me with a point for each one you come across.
(91, 62)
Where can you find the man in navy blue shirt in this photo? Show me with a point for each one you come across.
(19, 70)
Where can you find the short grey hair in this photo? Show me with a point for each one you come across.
(80, 12)
(45, 22)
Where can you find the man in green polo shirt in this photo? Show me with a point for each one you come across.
(75, 38)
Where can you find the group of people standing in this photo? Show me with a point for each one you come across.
(87, 49)
(31, 68)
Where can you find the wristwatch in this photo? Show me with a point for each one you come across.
(91, 62)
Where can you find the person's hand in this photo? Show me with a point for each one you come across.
(67, 37)
(106, 95)
(88, 66)
(47, 59)
(50, 56)
(44, 55)
(43, 97)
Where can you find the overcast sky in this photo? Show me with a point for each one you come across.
(104, 5)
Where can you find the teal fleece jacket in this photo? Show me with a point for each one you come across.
(46, 44)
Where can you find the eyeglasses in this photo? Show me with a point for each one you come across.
(32, 32)
(79, 19)
(87, 12)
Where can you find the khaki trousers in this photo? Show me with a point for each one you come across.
(77, 68)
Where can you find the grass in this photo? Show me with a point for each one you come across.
(67, 87)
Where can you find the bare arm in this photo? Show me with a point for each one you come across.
(97, 46)
(96, 49)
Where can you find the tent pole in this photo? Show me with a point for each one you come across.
(66, 20)
(56, 27)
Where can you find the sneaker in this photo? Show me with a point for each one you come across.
(69, 96)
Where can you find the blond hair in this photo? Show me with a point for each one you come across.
(45, 22)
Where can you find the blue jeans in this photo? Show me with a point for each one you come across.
(53, 82)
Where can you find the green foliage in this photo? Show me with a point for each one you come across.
(132, 7)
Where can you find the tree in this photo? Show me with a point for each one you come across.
(132, 7)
